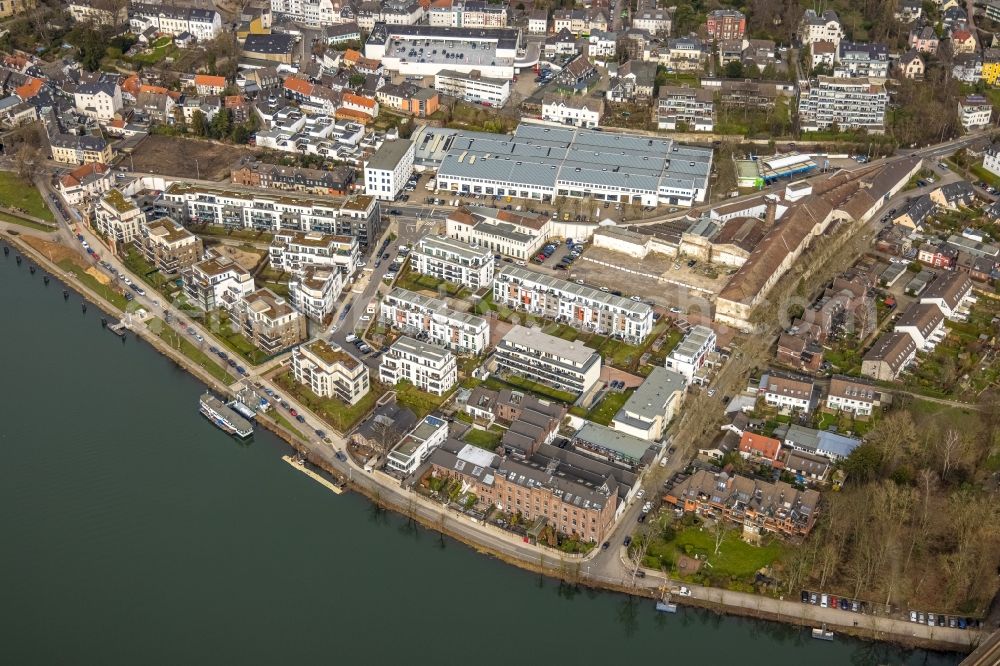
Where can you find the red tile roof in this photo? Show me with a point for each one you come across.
(763, 446)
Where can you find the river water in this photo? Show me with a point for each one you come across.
(136, 533)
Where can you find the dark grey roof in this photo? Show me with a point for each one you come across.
(275, 43)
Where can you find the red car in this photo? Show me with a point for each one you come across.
(293, 412)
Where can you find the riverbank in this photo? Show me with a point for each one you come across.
(478, 537)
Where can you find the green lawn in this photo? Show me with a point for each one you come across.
(106, 292)
(15, 193)
(189, 349)
(606, 409)
(137, 264)
(420, 402)
(413, 281)
(236, 341)
(484, 439)
(25, 223)
(340, 416)
(982, 174)
(517, 382)
(736, 559)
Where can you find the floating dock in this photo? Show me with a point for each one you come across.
(300, 465)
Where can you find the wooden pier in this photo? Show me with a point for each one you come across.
(300, 465)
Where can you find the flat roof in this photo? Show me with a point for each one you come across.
(549, 344)
(446, 244)
(636, 308)
(650, 399)
(629, 446)
(543, 156)
(409, 345)
(389, 154)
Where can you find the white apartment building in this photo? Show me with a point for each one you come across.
(204, 24)
(847, 103)
(924, 322)
(952, 293)
(432, 320)
(453, 261)
(267, 211)
(312, 13)
(862, 59)
(576, 111)
(578, 305)
(468, 14)
(823, 27)
(654, 404)
(387, 171)
(654, 21)
(296, 250)
(118, 218)
(509, 233)
(788, 393)
(472, 87)
(216, 282)
(269, 322)
(601, 44)
(852, 395)
(88, 181)
(690, 355)
(417, 446)
(538, 22)
(680, 104)
(974, 112)
(97, 12)
(428, 367)
(566, 366)
(991, 159)
(314, 292)
(101, 101)
(330, 372)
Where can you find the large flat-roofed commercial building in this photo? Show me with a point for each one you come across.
(472, 87)
(512, 234)
(330, 372)
(567, 366)
(425, 50)
(428, 367)
(579, 306)
(542, 162)
(245, 208)
(431, 319)
(453, 261)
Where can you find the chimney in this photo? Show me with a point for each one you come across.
(771, 209)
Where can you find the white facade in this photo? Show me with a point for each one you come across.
(216, 282)
(602, 44)
(453, 261)
(387, 171)
(118, 218)
(538, 25)
(100, 101)
(847, 103)
(468, 14)
(820, 28)
(86, 182)
(415, 448)
(974, 113)
(472, 87)
(428, 367)
(690, 355)
(419, 50)
(296, 250)
(204, 24)
(511, 235)
(654, 404)
(314, 292)
(566, 366)
(85, 11)
(579, 113)
(330, 372)
(432, 320)
(579, 306)
(312, 13)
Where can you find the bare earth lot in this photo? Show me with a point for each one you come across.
(186, 158)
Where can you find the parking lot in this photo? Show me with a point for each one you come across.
(677, 293)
